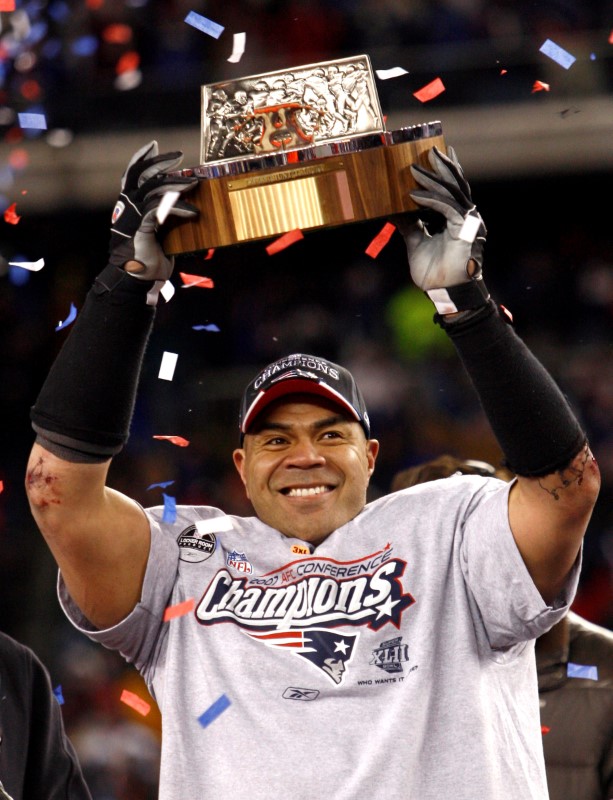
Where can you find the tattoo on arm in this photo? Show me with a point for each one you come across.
(571, 474)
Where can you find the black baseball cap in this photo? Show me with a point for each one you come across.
(302, 374)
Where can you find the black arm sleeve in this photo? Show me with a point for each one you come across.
(530, 417)
(85, 407)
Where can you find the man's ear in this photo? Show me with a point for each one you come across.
(238, 456)
(372, 452)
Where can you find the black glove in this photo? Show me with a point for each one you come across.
(441, 259)
(134, 223)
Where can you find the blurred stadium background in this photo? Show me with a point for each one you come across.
(535, 139)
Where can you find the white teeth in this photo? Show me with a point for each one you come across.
(306, 491)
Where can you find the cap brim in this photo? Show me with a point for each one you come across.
(294, 386)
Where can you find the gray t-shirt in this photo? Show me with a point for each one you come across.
(394, 661)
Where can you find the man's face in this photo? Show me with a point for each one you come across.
(306, 466)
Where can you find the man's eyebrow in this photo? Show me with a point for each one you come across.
(273, 425)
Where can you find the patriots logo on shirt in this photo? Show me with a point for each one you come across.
(329, 651)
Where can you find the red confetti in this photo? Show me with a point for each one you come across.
(7, 5)
(209, 254)
(380, 240)
(539, 86)
(178, 440)
(135, 702)
(284, 241)
(179, 610)
(506, 312)
(611, 38)
(10, 215)
(430, 90)
(127, 63)
(1, 486)
(117, 33)
(545, 729)
(503, 71)
(14, 135)
(31, 90)
(19, 158)
(196, 280)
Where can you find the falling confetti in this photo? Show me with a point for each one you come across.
(539, 86)
(163, 485)
(210, 327)
(58, 694)
(32, 266)
(72, 315)
(582, 671)
(167, 367)
(212, 712)
(284, 241)
(430, 90)
(170, 509)
(189, 281)
(135, 702)
(166, 203)
(10, 215)
(238, 47)
(32, 121)
(203, 24)
(394, 72)
(178, 440)
(380, 240)
(557, 54)
(178, 610)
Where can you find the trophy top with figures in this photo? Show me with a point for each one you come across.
(297, 149)
(289, 109)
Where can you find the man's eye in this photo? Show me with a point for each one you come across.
(331, 435)
(275, 440)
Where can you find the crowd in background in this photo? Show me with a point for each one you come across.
(548, 259)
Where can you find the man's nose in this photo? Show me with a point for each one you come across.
(305, 453)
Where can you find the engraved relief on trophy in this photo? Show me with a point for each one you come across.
(289, 109)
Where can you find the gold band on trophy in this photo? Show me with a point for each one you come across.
(297, 149)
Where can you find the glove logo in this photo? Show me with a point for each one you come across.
(118, 211)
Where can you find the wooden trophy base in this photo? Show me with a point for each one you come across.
(317, 187)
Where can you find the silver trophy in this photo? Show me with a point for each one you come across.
(299, 148)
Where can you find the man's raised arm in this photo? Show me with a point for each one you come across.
(99, 537)
(551, 503)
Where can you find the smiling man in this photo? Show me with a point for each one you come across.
(336, 648)
(307, 458)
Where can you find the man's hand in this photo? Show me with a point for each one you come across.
(453, 255)
(134, 223)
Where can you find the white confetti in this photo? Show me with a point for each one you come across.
(238, 47)
(33, 266)
(213, 525)
(167, 291)
(167, 367)
(166, 203)
(393, 72)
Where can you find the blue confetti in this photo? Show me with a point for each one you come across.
(170, 509)
(582, 671)
(211, 327)
(557, 54)
(72, 315)
(36, 121)
(212, 712)
(58, 693)
(18, 276)
(85, 46)
(203, 24)
(160, 485)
